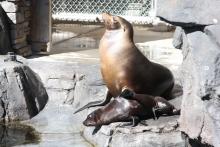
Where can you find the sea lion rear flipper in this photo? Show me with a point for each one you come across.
(164, 107)
(91, 104)
(96, 103)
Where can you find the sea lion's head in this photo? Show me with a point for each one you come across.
(106, 114)
(112, 22)
(93, 119)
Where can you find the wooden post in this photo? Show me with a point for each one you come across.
(41, 25)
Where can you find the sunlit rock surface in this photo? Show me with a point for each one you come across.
(189, 13)
(69, 86)
(200, 72)
(22, 93)
(198, 37)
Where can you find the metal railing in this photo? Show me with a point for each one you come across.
(136, 11)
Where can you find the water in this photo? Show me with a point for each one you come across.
(17, 134)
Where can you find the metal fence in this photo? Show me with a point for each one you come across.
(137, 11)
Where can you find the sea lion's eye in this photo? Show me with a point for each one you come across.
(90, 116)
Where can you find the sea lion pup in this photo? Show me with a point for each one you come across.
(117, 110)
(129, 109)
(123, 65)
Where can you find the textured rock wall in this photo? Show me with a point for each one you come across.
(5, 44)
(198, 36)
(163, 132)
(19, 14)
(22, 95)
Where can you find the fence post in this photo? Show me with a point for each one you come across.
(153, 10)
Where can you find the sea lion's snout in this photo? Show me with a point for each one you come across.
(87, 123)
(93, 119)
(106, 16)
(110, 21)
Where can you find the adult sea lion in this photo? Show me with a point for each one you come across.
(124, 66)
(129, 109)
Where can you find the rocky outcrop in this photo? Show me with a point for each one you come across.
(69, 86)
(198, 37)
(22, 94)
(5, 45)
(157, 133)
(189, 13)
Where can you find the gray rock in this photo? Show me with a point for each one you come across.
(189, 13)
(69, 86)
(213, 31)
(148, 140)
(201, 82)
(198, 37)
(22, 93)
(15, 18)
(156, 134)
(5, 45)
(178, 38)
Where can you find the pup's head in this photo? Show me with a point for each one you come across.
(93, 119)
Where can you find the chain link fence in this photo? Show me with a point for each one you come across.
(137, 11)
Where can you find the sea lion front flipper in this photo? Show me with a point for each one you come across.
(134, 122)
(127, 93)
(96, 103)
(96, 129)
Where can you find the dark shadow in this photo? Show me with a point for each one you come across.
(34, 91)
(177, 91)
(5, 38)
(96, 129)
(193, 142)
